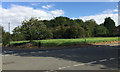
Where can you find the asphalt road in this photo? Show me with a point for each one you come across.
(83, 58)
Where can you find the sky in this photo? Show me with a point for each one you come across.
(59, 0)
(16, 12)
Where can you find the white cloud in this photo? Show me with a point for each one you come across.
(114, 0)
(16, 14)
(47, 6)
(35, 4)
(99, 18)
(109, 11)
(57, 12)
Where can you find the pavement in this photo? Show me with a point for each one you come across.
(100, 57)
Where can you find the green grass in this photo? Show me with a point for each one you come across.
(15, 43)
(66, 42)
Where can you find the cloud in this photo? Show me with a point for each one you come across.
(33, 4)
(47, 6)
(99, 18)
(109, 11)
(114, 0)
(57, 12)
(16, 14)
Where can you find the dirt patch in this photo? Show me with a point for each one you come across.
(103, 43)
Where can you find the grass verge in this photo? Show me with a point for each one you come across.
(68, 42)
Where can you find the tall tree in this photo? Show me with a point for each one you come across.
(34, 29)
(90, 26)
(110, 25)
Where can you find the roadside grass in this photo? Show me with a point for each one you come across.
(16, 43)
(66, 42)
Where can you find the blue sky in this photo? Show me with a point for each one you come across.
(16, 12)
(71, 9)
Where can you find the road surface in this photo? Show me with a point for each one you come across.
(83, 58)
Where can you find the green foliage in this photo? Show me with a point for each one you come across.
(110, 25)
(1, 29)
(6, 38)
(90, 26)
(32, 29)
(62, 28)
(76, 32)
(101, 31)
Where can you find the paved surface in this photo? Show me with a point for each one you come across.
(83, 58)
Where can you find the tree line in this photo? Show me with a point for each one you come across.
(61, 28)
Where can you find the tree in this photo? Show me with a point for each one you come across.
(5, 37)
(33, 29)
(79, 22)
(90, 26)
(76, 32)
(110, 25)
(101, 31)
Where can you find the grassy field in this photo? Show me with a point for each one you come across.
(66, 42)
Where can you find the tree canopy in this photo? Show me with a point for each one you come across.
(61, 27)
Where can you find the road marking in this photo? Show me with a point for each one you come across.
(103, 60)
(92, 62)
(10, 51)
(6, 55)
(112, 58)
(62, 67)
(78, 64)
(5, 51)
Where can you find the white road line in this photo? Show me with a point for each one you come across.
(103, 60)
(112, 58)
(6, 55)
(5, 51)
(59, 68)
(78, 64)
(62, 67)
(92, 62)
(10, 51)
